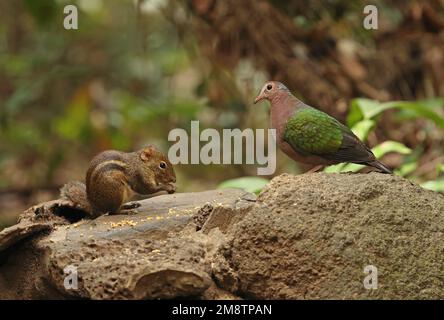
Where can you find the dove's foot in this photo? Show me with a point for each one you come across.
(316, 169)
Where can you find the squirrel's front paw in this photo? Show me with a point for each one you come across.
(130, 205)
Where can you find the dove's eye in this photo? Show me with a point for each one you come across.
(269, 87)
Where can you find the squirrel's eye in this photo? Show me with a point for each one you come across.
(163, 165)
(269, 87)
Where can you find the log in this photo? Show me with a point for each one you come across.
(155, 253)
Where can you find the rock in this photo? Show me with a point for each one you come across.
(305, 237)
(222, 216)
(310, 237)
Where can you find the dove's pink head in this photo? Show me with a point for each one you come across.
(272, 90)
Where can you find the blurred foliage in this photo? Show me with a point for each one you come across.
(363, 118)
(365, 109)
(136, 69)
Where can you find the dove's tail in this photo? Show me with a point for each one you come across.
(380, 166)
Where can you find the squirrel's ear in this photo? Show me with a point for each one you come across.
(147, 153)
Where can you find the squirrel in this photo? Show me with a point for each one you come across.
(115, 177)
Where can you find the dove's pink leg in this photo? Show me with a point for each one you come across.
(316, 169)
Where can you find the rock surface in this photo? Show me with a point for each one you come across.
(310, 237)
(305, 237)
(155, 253)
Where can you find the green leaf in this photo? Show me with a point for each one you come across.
(344, 167)
(363, 128)
(390, 146)
(406, 169)
(434, 185)
(362, 108)
(422, 108)
(249, 184)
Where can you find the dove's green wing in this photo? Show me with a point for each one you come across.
(312, 132)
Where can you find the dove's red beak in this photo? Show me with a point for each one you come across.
(259, 98)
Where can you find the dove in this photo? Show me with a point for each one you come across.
(311, 136)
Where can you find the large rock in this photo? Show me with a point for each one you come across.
(305, 237)
(311, 236)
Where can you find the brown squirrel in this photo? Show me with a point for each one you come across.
(114, 177)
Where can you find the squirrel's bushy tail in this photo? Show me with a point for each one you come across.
(75, 191)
